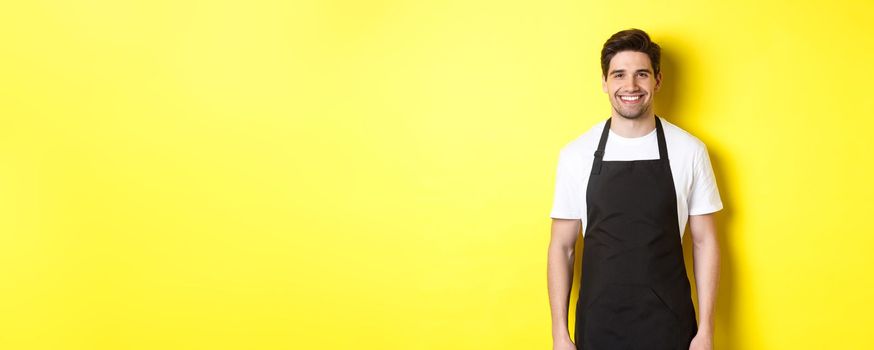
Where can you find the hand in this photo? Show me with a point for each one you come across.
(701, 342)
(564, 344)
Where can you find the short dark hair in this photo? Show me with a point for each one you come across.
(630, 40)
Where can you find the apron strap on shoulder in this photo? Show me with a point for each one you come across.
(663, 146)
(599, 153)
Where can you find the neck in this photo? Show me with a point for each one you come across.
(630, 128)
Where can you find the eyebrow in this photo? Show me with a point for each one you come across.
(637, 71)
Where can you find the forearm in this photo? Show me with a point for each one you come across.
(706, 264)
(560, 266)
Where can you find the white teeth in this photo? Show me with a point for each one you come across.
(629, 98)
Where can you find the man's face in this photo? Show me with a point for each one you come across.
(631, 84)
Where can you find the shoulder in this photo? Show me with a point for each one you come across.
(583, 145)
(681, 142)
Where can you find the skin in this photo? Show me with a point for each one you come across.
(631, 73)
(559, 276)
(706, 257)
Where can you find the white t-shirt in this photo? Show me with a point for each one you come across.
(694, 181)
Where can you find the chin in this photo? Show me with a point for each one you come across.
(636, 116)
(631, 116)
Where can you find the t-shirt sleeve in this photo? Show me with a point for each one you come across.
(704, 198)
(566, 201)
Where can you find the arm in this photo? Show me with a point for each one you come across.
(559, 273)
(706, 264)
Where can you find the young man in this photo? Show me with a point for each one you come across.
(633, 181)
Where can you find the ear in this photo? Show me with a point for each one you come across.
(658, 81)
(604, 83)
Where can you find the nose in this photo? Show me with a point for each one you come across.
(631, 84)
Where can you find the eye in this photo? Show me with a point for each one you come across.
(617, 75)
(643, 74)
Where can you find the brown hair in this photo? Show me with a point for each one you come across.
(630, 40)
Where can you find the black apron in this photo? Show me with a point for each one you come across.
(634, 292)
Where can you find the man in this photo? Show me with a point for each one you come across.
(633, 181)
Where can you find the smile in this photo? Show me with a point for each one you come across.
(631, 99)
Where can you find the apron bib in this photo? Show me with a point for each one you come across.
(634, 292)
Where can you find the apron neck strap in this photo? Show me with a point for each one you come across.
(663, 145)
(602, 143)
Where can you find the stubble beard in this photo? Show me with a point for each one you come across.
(633, 114)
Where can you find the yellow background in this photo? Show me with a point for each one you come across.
(378, 175)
